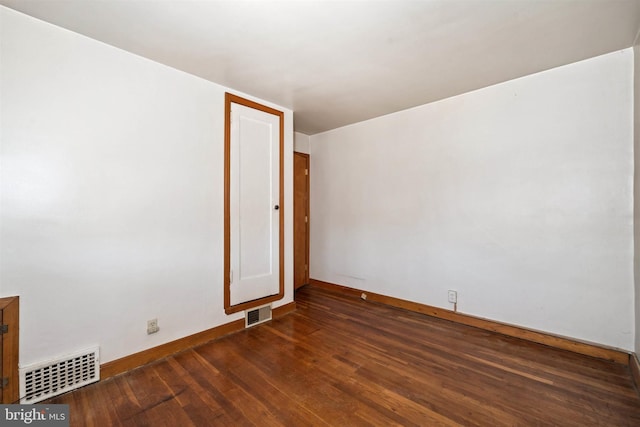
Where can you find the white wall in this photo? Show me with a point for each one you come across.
(300, 142)
(519, 196)
(112, 194)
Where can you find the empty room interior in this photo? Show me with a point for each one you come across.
(321, 212)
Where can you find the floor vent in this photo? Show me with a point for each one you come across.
(257, 316)
(44, 380)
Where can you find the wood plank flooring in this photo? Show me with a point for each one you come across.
(340, 361)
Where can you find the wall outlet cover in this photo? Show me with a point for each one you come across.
(453, 297)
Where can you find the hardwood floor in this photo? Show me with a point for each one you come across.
(341, 361)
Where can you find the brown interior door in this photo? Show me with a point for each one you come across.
(9, 344)
(300, 219)
(2, 399)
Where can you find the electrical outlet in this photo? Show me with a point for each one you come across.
(453, 297)
(152, 326)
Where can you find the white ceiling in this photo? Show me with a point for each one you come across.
(339, 62)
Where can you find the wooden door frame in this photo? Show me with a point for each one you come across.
(228, 308)
(308, 209)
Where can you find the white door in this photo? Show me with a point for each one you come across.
(254, 197)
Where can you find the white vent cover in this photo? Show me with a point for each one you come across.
(257, 316)
(47, 379)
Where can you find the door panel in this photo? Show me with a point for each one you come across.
(254, 197)
(9, 347)
(300, 219)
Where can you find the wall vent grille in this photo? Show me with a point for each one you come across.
(44, 380)
(257, 316)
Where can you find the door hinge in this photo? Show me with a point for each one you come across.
(4, 383)
(306, 171)
(4, 329)
(306, 218)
